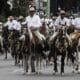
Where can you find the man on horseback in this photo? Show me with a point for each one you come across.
(59, 23)
(76, 37)
(60, 40)
(14, 28)
(34, 23)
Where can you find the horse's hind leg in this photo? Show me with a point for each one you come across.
(5, 54)
(62, 63)
(32, 64)
(55, 64)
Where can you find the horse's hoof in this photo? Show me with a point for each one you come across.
(38, 72)
(62, 74)
(55, 73)
(33, 73)
(5, 58)
(24, 73)
(74, 71)
(78, 71)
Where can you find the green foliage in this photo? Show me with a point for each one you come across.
(20, 8)
(2, 18)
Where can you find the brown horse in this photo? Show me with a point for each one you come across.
(74, 49)
(59, 48)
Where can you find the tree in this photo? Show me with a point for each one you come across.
(21, 7)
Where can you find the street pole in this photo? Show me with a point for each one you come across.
(39, 7)
(27, 6)
(48, 8)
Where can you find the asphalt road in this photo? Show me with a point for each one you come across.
(10, 72)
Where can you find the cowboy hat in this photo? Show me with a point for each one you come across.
(31, 9)
(62, 12)
(20, 18)
(11, 17)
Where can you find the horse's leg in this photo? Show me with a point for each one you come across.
(62, 63)
(25, 62)
(79, 60)
(55, 64)
(32, 63)
(15, 56)
(15, 59)
(5, 54)
(41, 63)
(37, 63)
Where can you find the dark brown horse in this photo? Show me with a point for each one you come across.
(59, 48)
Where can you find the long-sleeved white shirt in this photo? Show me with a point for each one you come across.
(60, 21)
(77, 23)
(71, 22)
(13, 25)
(33, 21)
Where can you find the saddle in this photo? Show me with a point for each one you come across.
(75, 35)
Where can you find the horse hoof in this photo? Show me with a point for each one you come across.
(78, 71)
(24, 73)
(62, 74)
(74, 71)
(55, 73)
(38, 72)
(5, 58)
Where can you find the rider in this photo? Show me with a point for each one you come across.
(10, 22)
(34, 23)
(76, 37)
(71, 20)
(60, 21)
(20, 27)
(77, 23)
(13, 26)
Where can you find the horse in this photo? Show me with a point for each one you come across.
(14, 43)
(41, 50)
(27, 51)
(5, 34)
(59, 48)
(79, 55)
(73, 50)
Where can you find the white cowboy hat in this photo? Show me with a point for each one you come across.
(31, 9)
(11, 17)
(1, 23)
(20, 18)
(62, 12)
(54, 17)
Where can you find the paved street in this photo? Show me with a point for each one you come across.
(10, 72)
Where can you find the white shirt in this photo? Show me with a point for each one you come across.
(13, 25)
(33, 21)
(77, 23)
(60, 21)
(18, 26)
(71, 22)
(46, 20)
(50, 22)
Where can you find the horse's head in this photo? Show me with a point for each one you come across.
(62, 31)
(70, 29)
(61, 41)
